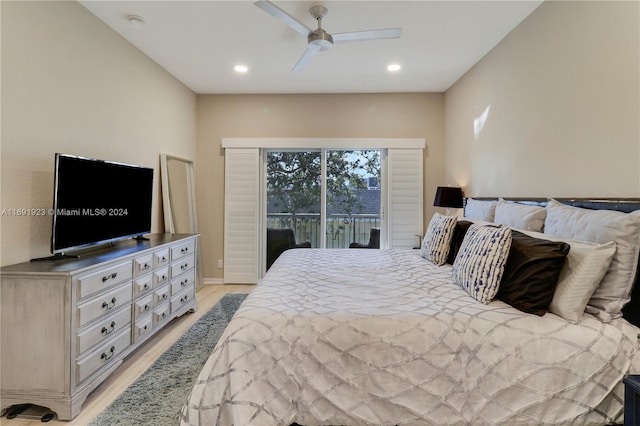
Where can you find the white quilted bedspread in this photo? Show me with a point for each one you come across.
(382, 337)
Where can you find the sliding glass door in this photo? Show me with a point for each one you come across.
(353, 201)
(330, 198)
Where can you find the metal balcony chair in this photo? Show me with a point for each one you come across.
(374, 240)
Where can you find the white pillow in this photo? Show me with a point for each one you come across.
(480, 262)
(581, 273)
(437, 240)
(602, 226)
(480, 209)
(520, 216)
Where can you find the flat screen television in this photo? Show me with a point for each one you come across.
(98, 201)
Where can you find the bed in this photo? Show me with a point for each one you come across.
(386, 337)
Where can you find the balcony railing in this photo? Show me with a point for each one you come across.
(342, 229)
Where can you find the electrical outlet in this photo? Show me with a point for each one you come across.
(220, 263)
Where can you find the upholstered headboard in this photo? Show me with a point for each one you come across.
(631, 311)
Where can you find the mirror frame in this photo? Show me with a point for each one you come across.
(169, 225)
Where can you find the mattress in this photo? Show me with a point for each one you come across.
(383, 337)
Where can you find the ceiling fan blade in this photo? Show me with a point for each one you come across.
(306, 57)
(289, 20)
(367, 35)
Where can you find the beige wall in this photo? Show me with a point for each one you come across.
(563, 91)
(313, 116)
(71, 84)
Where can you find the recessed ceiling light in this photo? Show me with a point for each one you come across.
(241, 69)
(394, 67)
(135, 21)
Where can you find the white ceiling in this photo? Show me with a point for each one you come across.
(199, 42)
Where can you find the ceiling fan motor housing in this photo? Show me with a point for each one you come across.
(320, 39)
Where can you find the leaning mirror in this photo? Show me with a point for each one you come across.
(179, 198)
(178, 195)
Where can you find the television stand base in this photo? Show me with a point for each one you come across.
(58, 256)
(141, 238)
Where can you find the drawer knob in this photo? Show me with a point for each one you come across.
(146, 266)
(145, 327)
(164, 296)
(184, 283)
(107, 331)
(164, 315)
(108, 307)
(184, 299)
(163, 259)
(184, 250)
(146, 286)
(162, 278)
(184, 267)
(146, 307)
(107, 357)
(108, 277)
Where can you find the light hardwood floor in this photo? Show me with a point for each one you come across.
(138, 362)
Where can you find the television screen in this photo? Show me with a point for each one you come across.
(97, 201)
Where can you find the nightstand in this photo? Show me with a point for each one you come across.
(632, 400)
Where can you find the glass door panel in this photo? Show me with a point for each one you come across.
(294, 185)
(353, 197)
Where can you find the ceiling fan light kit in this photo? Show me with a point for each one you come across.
(319, 40)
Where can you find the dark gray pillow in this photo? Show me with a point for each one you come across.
(531, 273)
(456, 241)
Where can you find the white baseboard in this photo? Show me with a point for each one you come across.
(212, 281)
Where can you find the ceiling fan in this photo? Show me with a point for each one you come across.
(319, 40)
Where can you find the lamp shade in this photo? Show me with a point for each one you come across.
(447, 196)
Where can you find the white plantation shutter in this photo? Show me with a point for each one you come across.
(241, 215)
(405, 206)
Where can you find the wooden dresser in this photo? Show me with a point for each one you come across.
(67, 324)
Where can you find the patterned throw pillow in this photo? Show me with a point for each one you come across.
(436, 243)
(480, 263)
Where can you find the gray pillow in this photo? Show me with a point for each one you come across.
(520, 216)
(602, 226)
(480, 209)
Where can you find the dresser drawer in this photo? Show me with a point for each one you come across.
(104, 304)
(161, 314)
(160, 277)
(161, 295)
(183, 281)
(142, 327)
(181, 299)
(161, 258)
(98, 281)
(103, 355)
(142, 285)
(103, 330)
(142, 265)
(142, 306)
(182, 250)
(182, 266)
